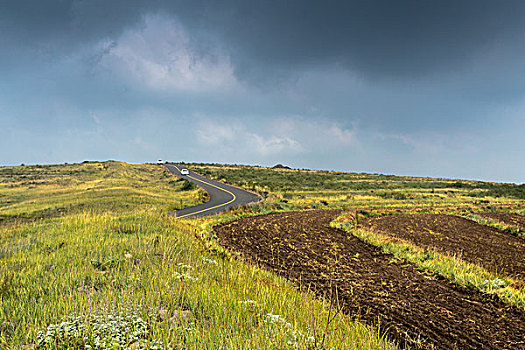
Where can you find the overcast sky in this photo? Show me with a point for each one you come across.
(431, 88)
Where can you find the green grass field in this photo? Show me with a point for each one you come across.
(89, 259)
(306, 189)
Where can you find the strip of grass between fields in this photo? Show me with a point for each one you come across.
(496, 224)
(452, 268)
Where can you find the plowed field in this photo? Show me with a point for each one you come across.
(507, 218)
(472, 242)
(372, 285)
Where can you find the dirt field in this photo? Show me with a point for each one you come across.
(416, 309)
(478, 244)
(507, 218)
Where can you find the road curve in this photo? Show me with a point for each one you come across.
(222, 197)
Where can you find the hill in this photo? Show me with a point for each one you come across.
(90, 258)
(91, 248)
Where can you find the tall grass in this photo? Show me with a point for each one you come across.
(119, 262)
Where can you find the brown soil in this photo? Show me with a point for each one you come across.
(372, 285)
(485, 246)
(507, 218)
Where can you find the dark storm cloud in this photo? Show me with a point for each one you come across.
(66, 22)
(395, 38)
(378, 38)
(412, 87)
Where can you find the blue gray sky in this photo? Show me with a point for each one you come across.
(430, 88)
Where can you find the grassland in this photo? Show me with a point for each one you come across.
(305, 189)
(36, 192)
(89, 259)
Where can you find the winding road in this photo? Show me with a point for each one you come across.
(222, 197)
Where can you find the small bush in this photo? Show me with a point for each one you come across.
(188, 186)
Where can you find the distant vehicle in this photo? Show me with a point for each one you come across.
(159, 161)
(184, 172)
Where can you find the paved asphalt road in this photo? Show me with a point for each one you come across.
(222, 196)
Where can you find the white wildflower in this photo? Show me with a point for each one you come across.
(209, 261)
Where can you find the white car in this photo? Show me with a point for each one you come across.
(184, 172)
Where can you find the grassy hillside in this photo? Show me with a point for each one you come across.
(89, 259)
(35, 192)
